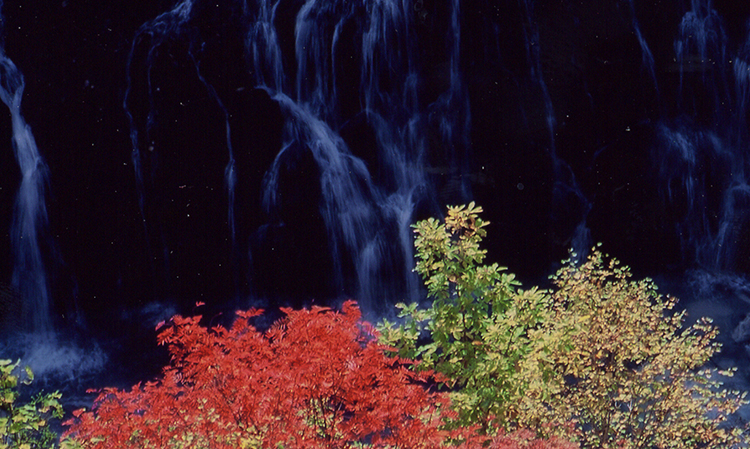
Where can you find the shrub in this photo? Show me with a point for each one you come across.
(526, 439)
(315, 379)
(25, 426)
(602, 351)
(633, 377)
(491, 339)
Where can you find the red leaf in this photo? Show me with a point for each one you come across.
(315, 379)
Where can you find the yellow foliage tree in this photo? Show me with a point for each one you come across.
(600, 351)
(633, 377)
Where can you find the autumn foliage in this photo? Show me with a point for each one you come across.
(600, 356)
(526, 439)
(317, 378)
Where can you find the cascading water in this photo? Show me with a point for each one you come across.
(700, 160)
(348, 198)
(282, 149)
(646, 54)
(701, 150)
(567, 194)
(370, 128)
(38, 344)
(29, 226)
(366, 203)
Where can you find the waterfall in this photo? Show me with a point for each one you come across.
(647, 56)
(700, 151)
(29, 226)
(374, 127)
(348, 78)
(567, 195)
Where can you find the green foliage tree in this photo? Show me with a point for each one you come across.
(25, 426)
(601, 352)
(490, 338)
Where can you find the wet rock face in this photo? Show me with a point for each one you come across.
(11, 311)
(567, 122)
(741, 333)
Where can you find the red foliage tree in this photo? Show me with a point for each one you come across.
(316, 379)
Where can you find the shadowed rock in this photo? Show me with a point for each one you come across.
(11, 310)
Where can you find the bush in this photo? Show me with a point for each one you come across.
(491, 339)
(25, 426)
(633, 376)
(315, 379)
(525, 439)
(601, 351)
